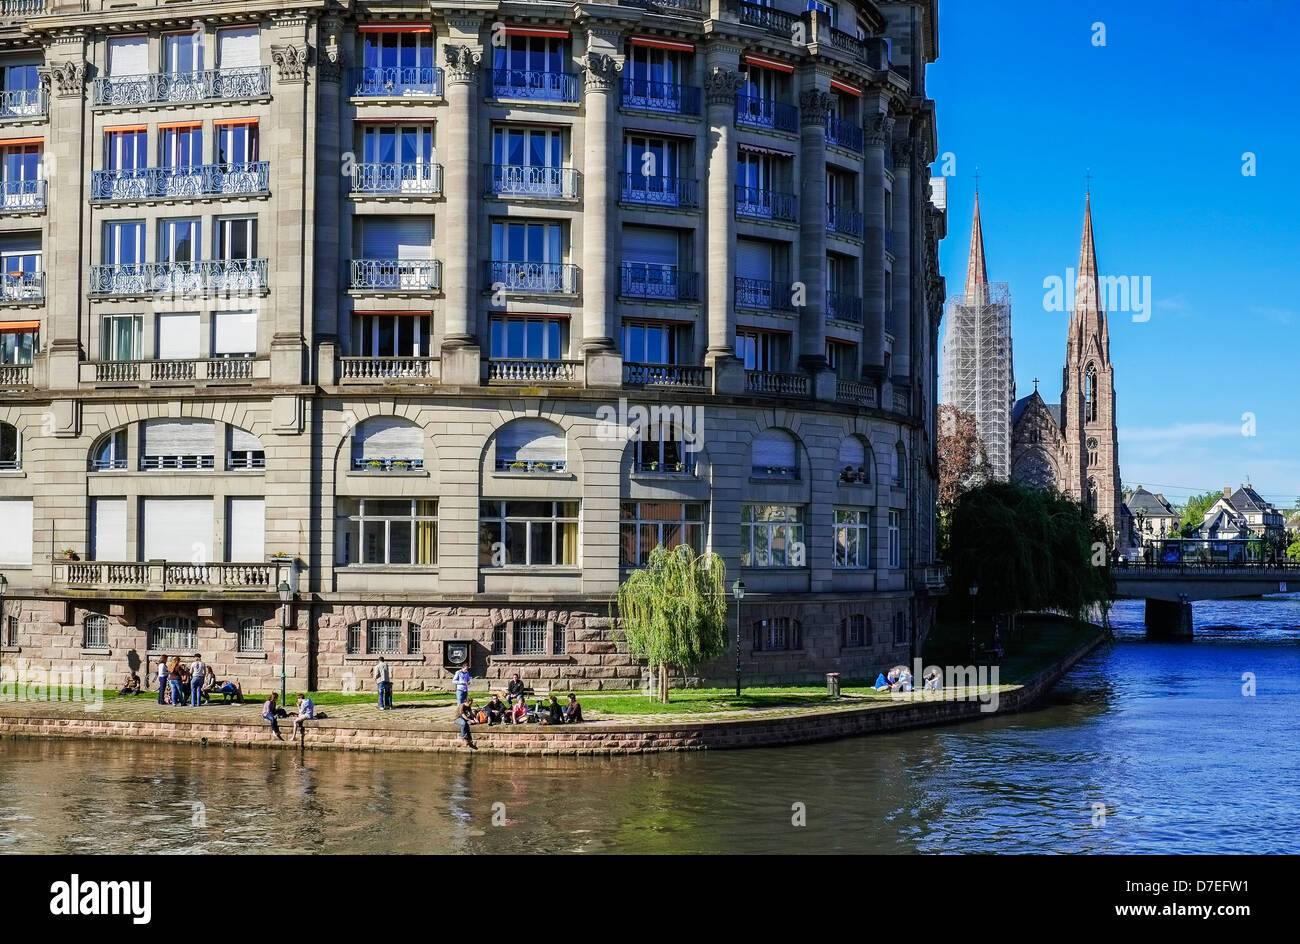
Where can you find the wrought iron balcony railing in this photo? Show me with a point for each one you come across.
(854, 391)
(760, 293)
(387, 369)
(535, 278)
(777, 383)
(645, 95)
(22, 196)
(395, 82)
(659, 191)
(23, 103)
(511, 370)
(766, 204)
(520, 180)
(664, 375)
(665, 283)
(844, 307)
(774, 21)
(412, 464)
(843, 133)
(691, 6)
(396, 275)
(850, 44)
(200, 180)
(214, 276)
(534, 86)
(22, 286)
(845, 220)
(188, 463)
(397, 179)
(531, 465)
(164, 87)
(753, 111)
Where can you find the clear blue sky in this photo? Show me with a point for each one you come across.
(1162, 115)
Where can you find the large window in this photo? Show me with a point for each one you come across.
(237, 142)
(18, 339)
(391, 531)
(127, 149)
(178, 335)
(388, 444)
(532, 67)
(527, 160)
(183, 52)
(527, 242)
(661, 446)
(775, 455)
(94, 632)
(174, 634)
(15, 530)
(852, 537)
(121, 337)
(895, 539)
(777, 634)
(124, 243)
(11, 448)
(236, 237)
(763, 350)
(178, 241)
(654, 168)
(405, 335)
(109, 452)
(653, 342)
(644, 525)
(534, 339)
(771, 536)
(382, 636)
(531, 445)
(251, 635)
(531, 533)
(20, 173)
(20, 89)
(178, 444)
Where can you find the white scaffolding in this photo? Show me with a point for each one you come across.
(977, 375)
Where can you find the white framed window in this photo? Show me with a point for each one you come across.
(404, 335)
(531, 445)
(108, 529)
(528, 533)
(644, 525)
(527, 339)
(234, 333)
(177, 529)
(109, 452)
(236, 237)
(852, 537)
(772, 536)
(182, 52)
(388, 531)
(121, 337)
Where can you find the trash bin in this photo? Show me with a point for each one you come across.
(833, 684)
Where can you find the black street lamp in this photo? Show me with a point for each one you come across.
(286, 595)
(738, 591)
(4, 621)
(974, 591)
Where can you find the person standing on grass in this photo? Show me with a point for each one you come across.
(268, 712)
(384, 684)
(461, 680)
(162, 680)
(198, 673)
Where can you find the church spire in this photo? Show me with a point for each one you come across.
(977, 277)
(1089, 318)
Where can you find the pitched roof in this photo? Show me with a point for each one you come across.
(1053, 409)
(1249, 501)
(1149, 504)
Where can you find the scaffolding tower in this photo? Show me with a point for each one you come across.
(977, 375)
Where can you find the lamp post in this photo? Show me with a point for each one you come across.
(738, 591)
(286, 595)
(4, 623)
(974, 591)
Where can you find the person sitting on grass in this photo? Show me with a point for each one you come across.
(519, 714)
(573, 710)
(306, 712)
(269, 712)
(131, 684)
(465, 716)
(496, 709)
(514, 690)
(554, 713)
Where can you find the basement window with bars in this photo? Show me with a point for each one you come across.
(251, 635)
(172, 633)
(853, 631)
(94, 632)
(384, 637)
(777, 634)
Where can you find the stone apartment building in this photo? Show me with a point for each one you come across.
(354, 306)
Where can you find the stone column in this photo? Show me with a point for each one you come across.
(878, 130)
(902, 361)
(459, 236)
(814, 105)
(600, 227)
(721, 85)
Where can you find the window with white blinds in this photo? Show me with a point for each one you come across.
(246, 530)
(531, 440)
(15, 530)
(774, 448)
(241, 440)
(238, 48)
(852, 452)
(128, 55)
(177, 529)
(650, 245)
(234, 333)
(178, 444)
(178, 336)
(388, 437)
(397, 238)
(753, 260)
(108, 529)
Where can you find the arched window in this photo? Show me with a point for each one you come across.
(898, 466)
(251, 635)
(855, 460)
(388, 444)
(94, 632)
(1092, 495)
(244, 450)
(1090, 393)
(176, 634)
(775, 455)
(11, 448)
(531, 445)
(178, 444)
(109, 452)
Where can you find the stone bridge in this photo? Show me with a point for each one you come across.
(1170, 589)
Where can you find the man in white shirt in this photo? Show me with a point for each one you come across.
(384, 684)
(198, 672)
(461, 681)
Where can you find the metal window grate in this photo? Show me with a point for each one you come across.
(95, 632)
(383, 636)
(413, 638)
(172, 632)
(499, 639)
(250, 635)
(354, 638)
(530, 637)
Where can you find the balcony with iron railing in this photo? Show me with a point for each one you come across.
(758, 204)
(776, 383)
(210, 277)
(857, 392)
(753, 111)
(169, 88)
(765, 17)
(657, 282)
(509, 370)
(844, 220)
(688, 6)
(531, 465)
(383, 370)
(842, 133)
(180, 183)
(396, 275)
(763, 294)
(23, 104)
(850, 45)
(22, 196)
(532, 278)
(397, 179)
(532, 85)
(668, 192)
(539, 183)
(844, 307)
(667, 97)
(184, 370)
(372, 464)
(664, 375)
(395, 82)
(171, 576)
(20, 287)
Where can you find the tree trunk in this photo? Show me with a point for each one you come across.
(663, 682)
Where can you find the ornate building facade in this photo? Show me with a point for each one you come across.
(361, 304)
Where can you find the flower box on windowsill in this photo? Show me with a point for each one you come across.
(850, 477)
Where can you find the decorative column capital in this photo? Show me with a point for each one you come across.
(879, 129)
(66, 79)
(722, 85)
(814, 106)
(601, 72)
(291, 61)
(462, 64)
(330, 64)
(903, 149)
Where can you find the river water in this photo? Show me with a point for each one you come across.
(1143, 747)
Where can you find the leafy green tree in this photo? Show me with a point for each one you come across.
(673, 611)
(1194, 511)
(1293, 552)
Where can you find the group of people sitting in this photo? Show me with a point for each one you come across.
(510, 707)
(899, 679)
(180, 684)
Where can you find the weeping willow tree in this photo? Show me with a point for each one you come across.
(673, 611)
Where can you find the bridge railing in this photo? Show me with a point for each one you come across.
(1208, 568)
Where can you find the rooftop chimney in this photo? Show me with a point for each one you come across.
(1227, 491)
